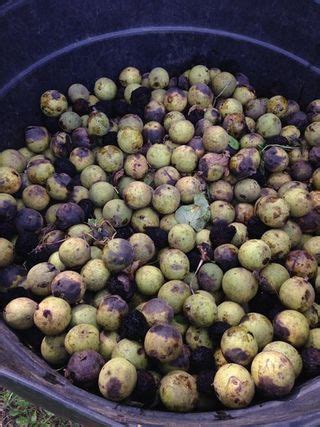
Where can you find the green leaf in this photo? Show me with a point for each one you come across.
(200, 200)
(23, 403)
(34, 417)
(199, 223)
(14, 412)
(196, 215)
(206, 214)
(233, 143)
(187, 214)
(148, 179)
(22, 421)
(180, 319)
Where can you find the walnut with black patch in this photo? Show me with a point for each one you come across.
(117, 379)
(238, 345)
(273, 373)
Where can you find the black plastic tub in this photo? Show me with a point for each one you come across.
(51, 44)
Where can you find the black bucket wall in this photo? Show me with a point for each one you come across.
(51, 44)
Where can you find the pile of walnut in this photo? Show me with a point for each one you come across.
(159, 239)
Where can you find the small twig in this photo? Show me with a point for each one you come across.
(195, 273)
(220, 93)
(285, 147)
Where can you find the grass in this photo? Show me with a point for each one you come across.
(16, 412)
